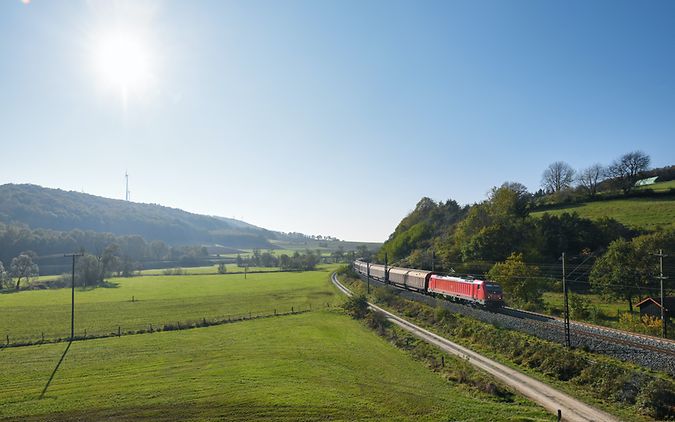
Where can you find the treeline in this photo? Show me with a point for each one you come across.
(305, 261)
(17, 239)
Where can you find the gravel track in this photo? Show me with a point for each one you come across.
(645, 351)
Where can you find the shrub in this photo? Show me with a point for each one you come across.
(579, 307)
(356, 306)
(657, 399)
(377, 321)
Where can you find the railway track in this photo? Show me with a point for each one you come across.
(551, 399)
(633, 340)
(650, 352)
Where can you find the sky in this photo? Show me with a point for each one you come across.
(327, 117)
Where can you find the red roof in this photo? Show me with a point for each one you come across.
(670, 302)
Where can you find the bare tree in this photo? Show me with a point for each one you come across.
(626, 170)
(557, 177)
(590, 177)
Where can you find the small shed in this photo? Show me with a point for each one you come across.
(652, 306)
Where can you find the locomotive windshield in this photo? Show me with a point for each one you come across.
(493, 288)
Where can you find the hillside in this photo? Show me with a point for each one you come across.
(56, 209)
(637, 213)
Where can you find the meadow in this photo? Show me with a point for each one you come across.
(135, 303)
(320, 365)
(637, 213)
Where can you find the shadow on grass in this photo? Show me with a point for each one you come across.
(44, 390)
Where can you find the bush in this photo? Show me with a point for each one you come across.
(377, 321)
(579, 307)
(384, 296)
(356, 306)
(657, 399)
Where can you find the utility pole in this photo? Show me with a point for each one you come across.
(72, 296)
(368, 275)
(386, 273)
(566, 305)
(664, 321)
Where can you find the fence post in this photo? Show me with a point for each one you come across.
(8, 339)
(119, 331)
(292, 310)
(43, 336)
(85, 333)
(443, 361)
(204, 320)
(151, 328)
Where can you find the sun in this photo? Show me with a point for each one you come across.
(123, 61)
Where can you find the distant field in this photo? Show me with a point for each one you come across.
(638, 213)
(159, 300)
(212, 269)
(314, 366)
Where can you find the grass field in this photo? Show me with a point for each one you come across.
(158, 300)
(638, 213)
(315, 366)
(659, 187)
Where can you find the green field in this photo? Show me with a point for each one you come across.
(659, 187)
(638, 213)
(316, 366)
(159, 300)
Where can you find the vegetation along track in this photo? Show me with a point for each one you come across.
(548, 397)
(646, 351)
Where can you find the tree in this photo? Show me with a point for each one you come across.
(3, 276)
(108, 261)
(222, 268)
(557, 177)
(520, 282)
(626, 170)
(590, 177)
(87, 270)
(617, 272)
(22, 267)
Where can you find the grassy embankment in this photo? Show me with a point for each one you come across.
(158, 300)
(315, 366)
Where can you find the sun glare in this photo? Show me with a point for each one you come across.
(123, 62)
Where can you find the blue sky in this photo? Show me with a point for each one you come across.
(330, 117)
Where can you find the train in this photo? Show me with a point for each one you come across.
(466, 290)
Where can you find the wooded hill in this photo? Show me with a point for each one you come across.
(472, 238)
(59, 210)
